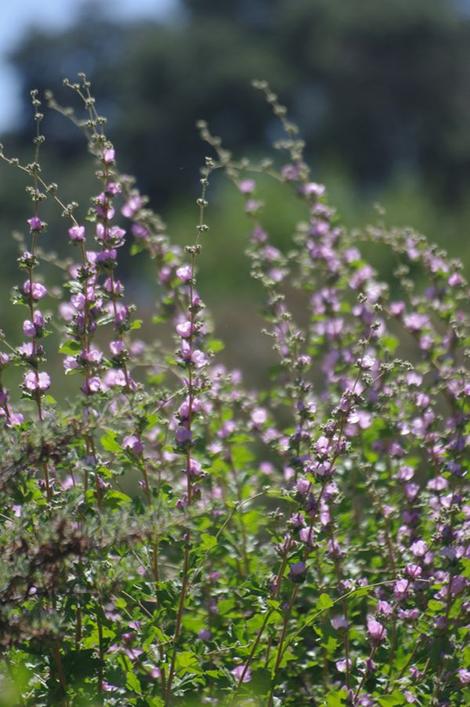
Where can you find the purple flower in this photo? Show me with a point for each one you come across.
(132, 205)
(139, 230)
(259, 416)
(227, 429)
(92, 385)
(26, 350)
(77, 233)
(185, 329)
(194, 468)
(419, 548)
(241, 672)
(28, 328)
(113, 286)
(182, 435)
(247, 186)
(342, 665)
(108, 155)
(400, 589)
(205, 635)
(306, 535)
(314, 189)
(115, 377)
(107, 256)
(184, 273)
(34, 381)
(339, 622)
(415, 321)
(384, 607)
(455, 279)
(413, 571)
(113, 188)
(367, 362)
(377, 632)
(37, 291)
(35, 224)
(116, 347)
(297, 569)
(464, 676)
(133, 444)
(303, 486)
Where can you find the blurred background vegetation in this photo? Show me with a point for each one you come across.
(380, 90)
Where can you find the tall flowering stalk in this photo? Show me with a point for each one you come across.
(193, 361)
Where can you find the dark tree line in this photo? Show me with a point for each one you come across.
(380, 87)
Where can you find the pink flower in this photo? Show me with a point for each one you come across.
(182, 434)
(109, 155)
(303, 486)
(133, 444)
(376, 630)
(367, 362)
(306, 535)
(139, 230)
(185, 273)
(132, 205)
(194, 468)
(455, 279)
(116, 347)
(415, 321)
(36, 290)
(34, 381)
(400, 589)
(247, 186)
(413, 571)
(92, 385)
(185, 329)
(115, 377)
(384, 607)
(77, 233)
(259, 416)
(419, 548)
(464, 676)
(339, 622)
(241, 672)
(35, 224)
(314, 189)
(343, 665)
(28, 328)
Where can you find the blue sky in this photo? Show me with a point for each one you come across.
(16, 16)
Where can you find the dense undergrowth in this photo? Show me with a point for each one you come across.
(170, 536)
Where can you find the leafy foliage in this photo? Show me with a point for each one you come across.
(170, 536)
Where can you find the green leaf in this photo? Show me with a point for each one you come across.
(396, 698)
(336, 698)
(434, 605)
(208, 541)
(71, 348)
(108, 442)
(225, 605)
(324, 602)
(187, 662)
(115, 498)
(133, 683)
(215, 345)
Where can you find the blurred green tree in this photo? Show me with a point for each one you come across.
(380, 87)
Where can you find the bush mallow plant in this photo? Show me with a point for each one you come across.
(170, 536)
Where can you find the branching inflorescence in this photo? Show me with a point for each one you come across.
(170, 536)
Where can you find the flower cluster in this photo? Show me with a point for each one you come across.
(171, 534)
